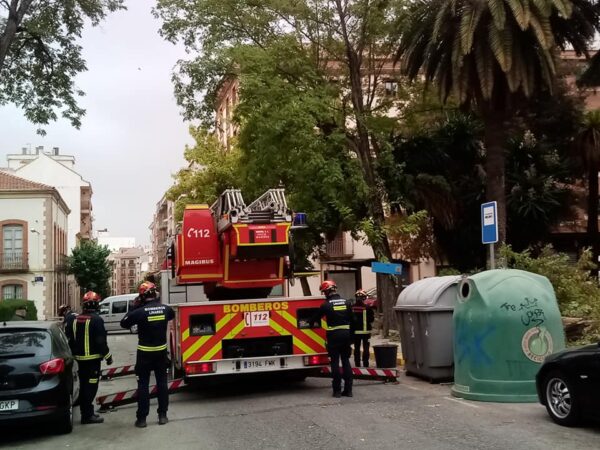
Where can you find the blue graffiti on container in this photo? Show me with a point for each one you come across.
(470, 345)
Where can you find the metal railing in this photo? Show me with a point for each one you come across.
(14, 261)
(339, 247)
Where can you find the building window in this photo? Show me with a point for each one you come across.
(12, 246)
(12, 291)
(391, 88)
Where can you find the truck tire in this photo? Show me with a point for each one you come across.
(174, 371)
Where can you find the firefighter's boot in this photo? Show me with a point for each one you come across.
(92, 419)
(163, 419)
(140, 423)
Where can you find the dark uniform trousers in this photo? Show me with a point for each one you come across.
(89, 375)
(338, 347)
(152, 362)
(361, 339)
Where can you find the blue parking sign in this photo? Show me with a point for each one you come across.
(489, 223)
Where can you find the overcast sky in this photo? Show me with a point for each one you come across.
(132, 138)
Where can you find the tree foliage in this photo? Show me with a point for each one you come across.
(211, 169)
(492, 55)
(88, 262)
(40, 55)
(577, 293)
(341, 40)
(587, 154)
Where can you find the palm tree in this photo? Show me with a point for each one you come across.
(587, 145)
(492, 55)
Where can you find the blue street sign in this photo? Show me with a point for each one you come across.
(489, 223)
(389, 268)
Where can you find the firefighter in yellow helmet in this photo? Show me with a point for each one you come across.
(87, 339)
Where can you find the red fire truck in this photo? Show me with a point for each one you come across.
(225, 261)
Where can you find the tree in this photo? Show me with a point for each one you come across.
(494, 55)
(342, 39)
(88, 262)
(587, 147)
(40, 56)
(211, 169)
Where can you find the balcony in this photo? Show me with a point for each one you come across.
(14, 262)
(340, 247)
(61, 263)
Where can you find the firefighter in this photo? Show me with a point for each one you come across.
(362, 321)
(87, 339)
(339, 315)
(151, 319)
(65, 312)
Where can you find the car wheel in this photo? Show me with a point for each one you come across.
(133, 329)
(562, 402)
(65, 421)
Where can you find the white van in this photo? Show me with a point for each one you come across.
(112, 310)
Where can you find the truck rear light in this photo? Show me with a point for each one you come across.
(53, 367)
(199, 368)
(316, 360)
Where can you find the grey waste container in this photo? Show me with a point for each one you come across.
(424, 316)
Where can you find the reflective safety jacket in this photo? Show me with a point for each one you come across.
(151, 319)
(87, 336)
(337, 312)
(362, 319)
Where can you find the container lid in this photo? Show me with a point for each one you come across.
(437, 293)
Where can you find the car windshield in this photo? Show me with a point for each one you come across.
(104, 308)
(21, 343)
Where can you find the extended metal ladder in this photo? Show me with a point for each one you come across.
(230, 208)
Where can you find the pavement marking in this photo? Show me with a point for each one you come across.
(462, 402)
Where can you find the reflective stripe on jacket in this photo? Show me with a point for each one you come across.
(337, 312)
(362, 319)
(152, 319)
(87, 336)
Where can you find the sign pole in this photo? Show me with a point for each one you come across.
(489, 228)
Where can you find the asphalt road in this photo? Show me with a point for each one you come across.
(410, 415)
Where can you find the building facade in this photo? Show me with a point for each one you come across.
(53, 169)
(33, 245)
(114, 243)
(162, 230)
(129, 265)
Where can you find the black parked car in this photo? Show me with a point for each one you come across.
(568, 384)
(38, 375)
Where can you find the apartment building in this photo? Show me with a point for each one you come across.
(54, 169)
(33, 245)
(162, 231)
(129, 265)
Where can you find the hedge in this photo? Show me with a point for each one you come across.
(8, 308)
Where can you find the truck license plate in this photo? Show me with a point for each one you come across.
(9, 405)
(259, 364)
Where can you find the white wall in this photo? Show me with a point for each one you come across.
(33, 210)
(68, 183)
